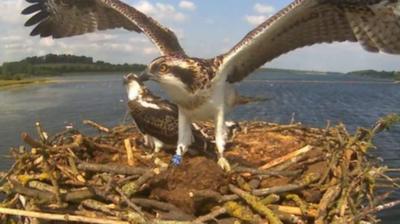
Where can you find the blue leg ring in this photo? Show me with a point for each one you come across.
(176, 160)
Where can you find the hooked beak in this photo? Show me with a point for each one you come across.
(145, 76)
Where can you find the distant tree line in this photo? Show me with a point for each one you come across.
(63, 58)
(51, 65)
(377, 74)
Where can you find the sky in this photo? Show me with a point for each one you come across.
(205, 28)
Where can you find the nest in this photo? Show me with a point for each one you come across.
(280, 174)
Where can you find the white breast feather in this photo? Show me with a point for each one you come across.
(148, 104)
(134, 90)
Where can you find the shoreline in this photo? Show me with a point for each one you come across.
(4, 84)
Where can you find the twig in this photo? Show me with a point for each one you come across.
(32, 142)
(312, 177)
(129, 152)
(170, 208)
(241, 212)
(270, 199)
(9, 172)
(78, 141)
(286, 157)
(42, 135)
(43, 186)
(132, 187)
(283, 127)
(293, 210)
(266, 173)
(256, 204)
(129, 202)
(330, 195)
(99, 127)
(59, 217)
(33, 193)
(97, 146)
(99, 206)
(56, 188)
(112, 168)
(210, 216)
(377, 209)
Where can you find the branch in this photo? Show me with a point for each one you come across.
(97, 126)
(256, 204)
(290, 156)
(59, 217)
(112, 168)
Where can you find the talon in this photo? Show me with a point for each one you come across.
(176, 160)
(224, 164)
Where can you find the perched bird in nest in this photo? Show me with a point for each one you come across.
(156, 118)
(203, 88)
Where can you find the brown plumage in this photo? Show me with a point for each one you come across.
(160, 123)
(65, 18)
(373, 23)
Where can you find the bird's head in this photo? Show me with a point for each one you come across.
(134, 86)
(177, 71)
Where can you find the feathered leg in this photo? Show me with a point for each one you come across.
(184, 137)
(220, 138)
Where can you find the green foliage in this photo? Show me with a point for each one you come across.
(63, 58)
(51, 64)
(377, 74)
(397, 75)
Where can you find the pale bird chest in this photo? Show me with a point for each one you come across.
(205, 105)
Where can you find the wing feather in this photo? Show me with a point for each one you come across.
(65, 18)
(162, 124)
(375, 24)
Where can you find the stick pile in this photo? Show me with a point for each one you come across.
(281, 174)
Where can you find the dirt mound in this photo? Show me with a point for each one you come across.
(178, 184)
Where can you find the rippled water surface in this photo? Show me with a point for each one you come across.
(311, 99)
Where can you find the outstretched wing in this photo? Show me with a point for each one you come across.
(373, 23)
(65, 18)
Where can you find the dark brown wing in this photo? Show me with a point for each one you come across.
(163, 123)
(65, 18)
(373, 23)
(159, 123)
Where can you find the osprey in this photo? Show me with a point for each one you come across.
(157, 119)
(203, 88)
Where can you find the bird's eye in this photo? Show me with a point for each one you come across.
(163, 68)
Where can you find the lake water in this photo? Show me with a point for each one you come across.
(311, 99)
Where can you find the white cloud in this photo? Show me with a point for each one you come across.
(10, 38)
(100, 37)
(138, 39)
(187, 5)
(10, 11)
(161, 11)
(47, 42)
(264, 8)
(150, 50)
(169, 11)
(255, 19)
(145, 7)
(262, 12)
